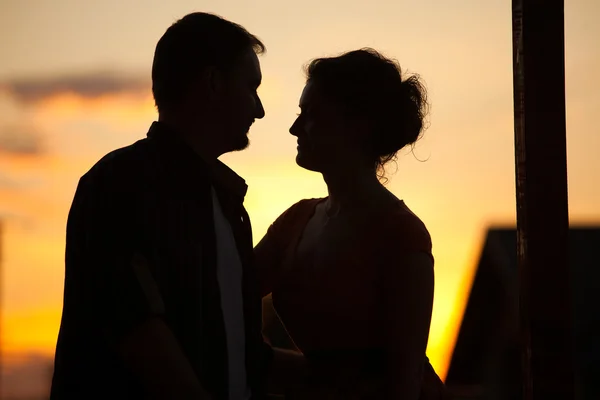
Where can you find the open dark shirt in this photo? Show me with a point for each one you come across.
(151, 199)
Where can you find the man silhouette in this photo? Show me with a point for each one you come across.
(160, 296)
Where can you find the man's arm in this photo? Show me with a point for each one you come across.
(151, 351)
(288, 371)
(123, 294)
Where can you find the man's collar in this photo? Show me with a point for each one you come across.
(221, 174)
(228, 179)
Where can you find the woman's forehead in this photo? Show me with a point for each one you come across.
(311, 96)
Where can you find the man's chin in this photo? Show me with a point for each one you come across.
(241, 144)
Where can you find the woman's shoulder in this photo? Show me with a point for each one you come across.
(298, 213)
(401, 228)
(301, 207)
(299, 210)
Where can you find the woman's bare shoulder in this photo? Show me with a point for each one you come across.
(401, 229)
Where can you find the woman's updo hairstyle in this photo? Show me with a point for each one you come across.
(371, 87)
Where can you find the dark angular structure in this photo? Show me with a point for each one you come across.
(487, 354)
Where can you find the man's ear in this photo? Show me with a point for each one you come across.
(212, 80)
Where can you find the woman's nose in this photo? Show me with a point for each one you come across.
(295, 128)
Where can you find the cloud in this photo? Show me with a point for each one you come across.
(9, 183)
(87, 85)
(21, 139)
(26, 376)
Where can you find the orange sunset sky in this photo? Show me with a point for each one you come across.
(74, 84)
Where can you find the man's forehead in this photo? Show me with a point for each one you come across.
(250, 66)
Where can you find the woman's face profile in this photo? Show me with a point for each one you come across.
(324, 134)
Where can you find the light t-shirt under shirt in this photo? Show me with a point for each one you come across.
(229, 276)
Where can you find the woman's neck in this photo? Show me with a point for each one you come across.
(352, 189)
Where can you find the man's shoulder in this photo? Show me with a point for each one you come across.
(126, 166)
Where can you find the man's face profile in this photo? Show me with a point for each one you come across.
(237, 104)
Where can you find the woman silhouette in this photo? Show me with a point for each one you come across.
(351, 274)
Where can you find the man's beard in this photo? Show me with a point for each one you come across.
(241, 143)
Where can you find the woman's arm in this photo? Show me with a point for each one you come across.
(408, 283)
(288, 367)
(270, 251)
(268, 255)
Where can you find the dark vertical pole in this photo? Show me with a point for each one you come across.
(542, 200)
(1, 309)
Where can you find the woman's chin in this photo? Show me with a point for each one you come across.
(306, 162)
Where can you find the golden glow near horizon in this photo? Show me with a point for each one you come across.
(462, 51)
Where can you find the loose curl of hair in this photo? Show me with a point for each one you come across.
(371, 87)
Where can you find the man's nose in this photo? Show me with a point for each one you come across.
(260, 110)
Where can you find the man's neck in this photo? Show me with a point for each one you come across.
(192, 135)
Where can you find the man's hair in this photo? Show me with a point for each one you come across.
(196, 41)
